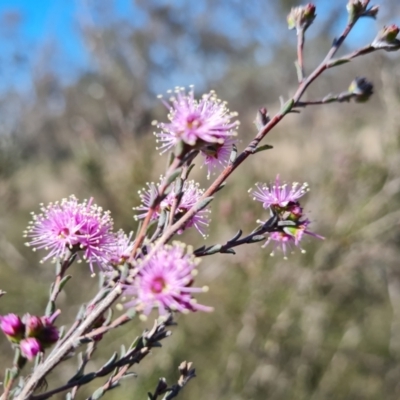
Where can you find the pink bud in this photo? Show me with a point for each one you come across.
(12, 327)
(30, 347)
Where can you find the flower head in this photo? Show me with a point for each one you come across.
(187, 196)
(164, 281)
(70, 226)
(217, 155)
(278, 195)
(120, 249)
(195, 122)
(283, 204)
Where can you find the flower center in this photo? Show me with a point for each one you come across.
(158, 285)
(64, 233)
(192, 122)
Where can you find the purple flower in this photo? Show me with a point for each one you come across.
(121, 249)
(195, 121)
(164, 281)
(13, 327)
(216, 155)
(283, 203)
(30, 347)
(191, 193)
(70, 226)
(278, 195)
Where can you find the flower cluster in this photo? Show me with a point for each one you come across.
(31, 333)
(71, 227)
(179, 200)
(283, 203)
(205, 124)
(164, 281)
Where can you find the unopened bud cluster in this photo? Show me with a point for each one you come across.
(31, 333)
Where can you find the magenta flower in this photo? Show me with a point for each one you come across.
(283, 203)
(216, 155)
(191, 194)
(164, 281)
(13, 327)
(121, 249)
(30, 347)
(277, 194)
(70, 226)
(195, 121)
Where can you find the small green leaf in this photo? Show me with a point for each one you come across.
(236, 237)
(64, 281)
(257, 238)
(287, 107)
(339, 61)
(213, 249)
(233, 155)
(111, 361)
(51, 307)
(262, 148)
(174, 175)
(203, 203)
(97, 393)
(228, 251)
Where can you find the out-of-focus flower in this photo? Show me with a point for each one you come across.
(50, 333)
(13, 327)
(70, 226)
(188, 195)
(216, 155)
(282, 202)
(164, 281)
(278, 195)
(195, 122)
(362, 89)
(30, 347)
(121, 249)
(300, 18)
(387, 38)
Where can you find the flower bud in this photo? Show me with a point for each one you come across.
(300, 18)
(13, 327)
(34, 325)
(358, 8)
(387, 38)
(362, 89)
(30, 347)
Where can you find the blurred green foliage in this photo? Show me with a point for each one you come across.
(323, 325)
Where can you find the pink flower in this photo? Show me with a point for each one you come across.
(12, 326)
(30, 347)
(164, 281)
(277, 194)
(70, 226)
(283, 203)
(191, 193)
(121, 249)
(216, 155)
(195, 121)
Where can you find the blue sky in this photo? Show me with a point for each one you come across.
(55, 21)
